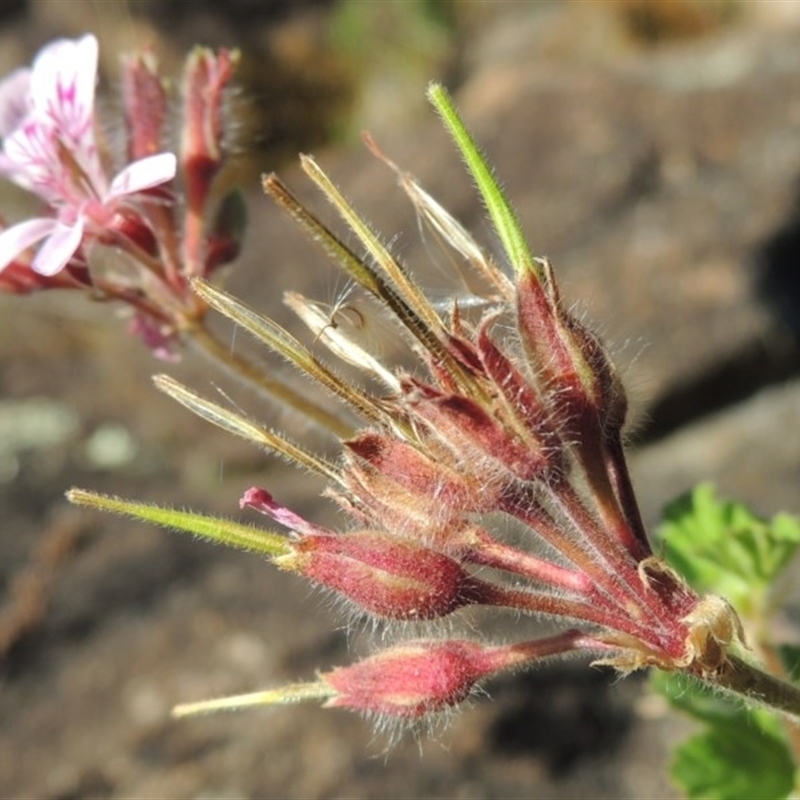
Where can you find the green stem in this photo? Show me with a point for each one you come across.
(749, 683)
(792, 728)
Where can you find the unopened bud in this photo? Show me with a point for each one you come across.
(548, 336)
(160, 337)
(384, 575)
(144, 100)
(410, 680)
(419, 478)
(470, 429)
(407, 681)
(424, 676)
(206, 77)
(570, 361)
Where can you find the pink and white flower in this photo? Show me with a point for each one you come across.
(47, 122)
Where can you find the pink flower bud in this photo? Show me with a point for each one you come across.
(129, 225)
(570, 360)
(555, 346)
(424, 676)
(472, 431)
(159, 337)
(144, 100)
(205, 78)
(384, 575)
(411, 680)
(419, 478)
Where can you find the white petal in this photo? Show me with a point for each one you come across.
(63, 81)
(59, 248)
(144, 174)
(86, 51)
(31, 160)
(15, 102)
(20, 237)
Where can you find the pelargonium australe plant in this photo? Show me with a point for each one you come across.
(509, 419)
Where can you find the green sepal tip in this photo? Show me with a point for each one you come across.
(214, 529)
(294, 693)
(502, 214)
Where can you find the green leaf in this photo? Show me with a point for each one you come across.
(731, 762)
(722, 547)
(741, 753)
(790, 658)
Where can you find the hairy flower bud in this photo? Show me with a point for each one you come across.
(144, 100)
(555, 343)
(410, 680)
(418, 477)
(470, 431)
(206, 76)
(384, 575)
(424, 676)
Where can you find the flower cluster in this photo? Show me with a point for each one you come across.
(485, 433)
(487, 473)
(53, 147)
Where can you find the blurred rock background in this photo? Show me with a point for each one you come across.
(652, 150)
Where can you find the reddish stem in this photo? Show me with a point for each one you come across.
(622, 567)
(617, 469)
(529, 512)
(552, 605)
(521, 653)
(488, 552)
(599, 470)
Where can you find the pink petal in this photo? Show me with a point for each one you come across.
(261, 500)
(14, 240)
(59, 248)
(143, 174)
